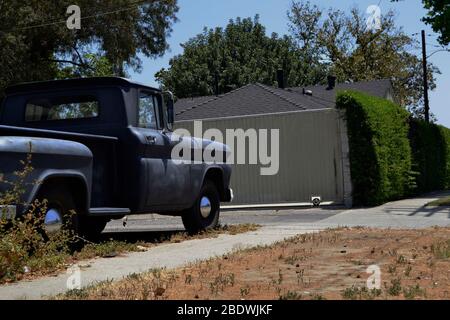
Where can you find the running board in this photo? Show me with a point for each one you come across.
(99, 212)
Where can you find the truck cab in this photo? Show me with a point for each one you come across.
(106, 143)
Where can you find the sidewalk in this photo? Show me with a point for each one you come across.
(409, 213)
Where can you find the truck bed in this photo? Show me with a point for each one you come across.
(105, 174)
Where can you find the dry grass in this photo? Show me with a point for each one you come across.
(20, 260)
(329, 265)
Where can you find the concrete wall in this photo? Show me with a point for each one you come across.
(313, 158)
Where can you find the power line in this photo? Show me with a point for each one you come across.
(133, 6)
(441, 50)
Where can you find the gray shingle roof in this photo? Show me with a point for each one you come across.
(256, 99)
(377, 88)
(187, 103)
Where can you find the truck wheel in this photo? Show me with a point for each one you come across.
(61, 207)
(59, 211)
(205, 213)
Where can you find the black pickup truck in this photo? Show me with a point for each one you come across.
(102, 147)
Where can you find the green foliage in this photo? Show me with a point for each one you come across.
(25, 246)
(95, 66)
(239, 54)
(445, 132)
(395, 288)
(35, 42)
(380, 154)
(438, 17)
(441, 250)
(430, 146)
(357, 293)
(354, 53)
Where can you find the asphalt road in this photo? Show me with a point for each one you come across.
(155, 223)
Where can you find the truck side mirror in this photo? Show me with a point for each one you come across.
(170, 112)
(170, 109)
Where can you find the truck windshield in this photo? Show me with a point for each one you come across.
(61, 109)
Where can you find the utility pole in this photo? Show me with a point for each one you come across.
(425, 78)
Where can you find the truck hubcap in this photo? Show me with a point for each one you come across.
(53, 221)
(205, 207)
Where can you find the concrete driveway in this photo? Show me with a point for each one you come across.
(276, 226)
(154, 223)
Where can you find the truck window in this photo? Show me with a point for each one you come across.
(61, 109)
(147, 111)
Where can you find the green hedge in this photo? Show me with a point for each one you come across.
(446, 134)
(380, 153)
(430, 144)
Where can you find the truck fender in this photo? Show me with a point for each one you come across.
(74, 181)
(216, 175)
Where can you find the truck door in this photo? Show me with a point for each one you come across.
(163, 182)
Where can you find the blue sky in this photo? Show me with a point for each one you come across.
(196, 14)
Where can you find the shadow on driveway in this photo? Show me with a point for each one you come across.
(423, 211)
(141, 236)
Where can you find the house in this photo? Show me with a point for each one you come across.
(256, 99)
(313, 145)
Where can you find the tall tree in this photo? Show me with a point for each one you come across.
(35, 43)
(354, 52)
(439, 18)
(239, 54)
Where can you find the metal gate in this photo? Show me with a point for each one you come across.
(313, 158)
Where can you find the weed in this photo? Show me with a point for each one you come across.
(220, 282)
(300, 276)
(395, 288)
(356, 293)
(106, 249)
(77, 294)
(245, 292)
(408, 271)
(401, 259)
(280, 276)
(291, 259)
(412, 292)
(392, 269)
(441, 250)
(134, 276)
(290, 295)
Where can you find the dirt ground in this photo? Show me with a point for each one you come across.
(414, 264)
